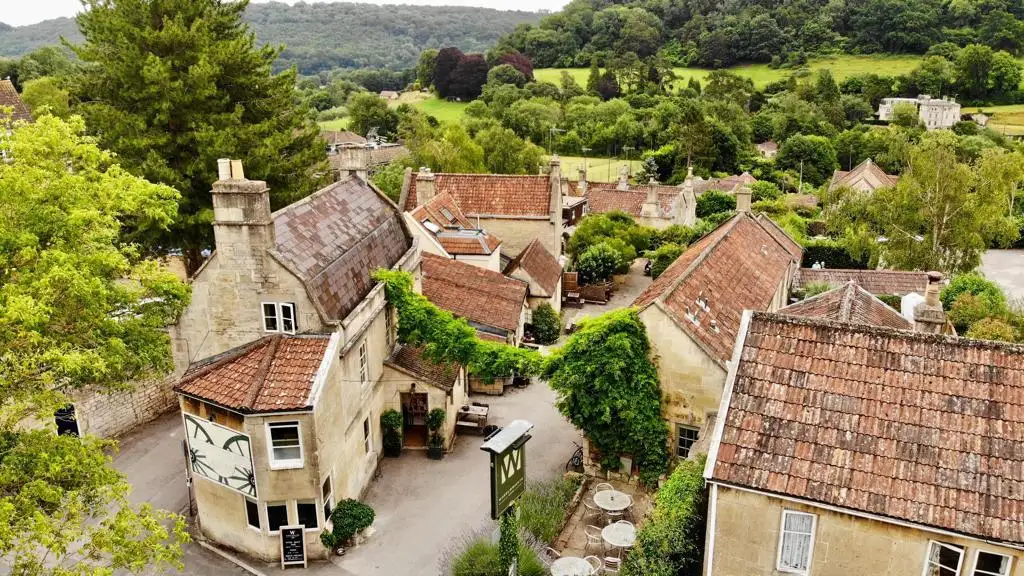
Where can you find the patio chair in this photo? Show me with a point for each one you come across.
(595, 564)
(591, 509)
(549, 555)
(614, 515)
(603, 486)
(625, 522)
(612, 564)
(593, 537)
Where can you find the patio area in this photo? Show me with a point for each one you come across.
(573, 540)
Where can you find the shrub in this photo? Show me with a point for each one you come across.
(543, 506)
(815, 288)
(391, 422)
(892, 300)
(349, 517)
(598, 263)
(832, 253)
(676, 234)
(671, 543)
(435, 419)
(547, 324)
(775, 207)
(663, 257)
(969, 309)
(476, 555)
(714, 202)
(975, 284)
(763, 190)
(991, 329)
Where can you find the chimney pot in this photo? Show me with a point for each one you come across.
(223, 169)
(236, 170)
(743, 199)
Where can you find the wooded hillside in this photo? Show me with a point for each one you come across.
(332, 35)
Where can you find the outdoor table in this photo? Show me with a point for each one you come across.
(612, 500)
(619, 534)
(571, 566)
(472, 416)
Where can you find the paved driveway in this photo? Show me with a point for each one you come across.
(1006, 268)
(423, 505)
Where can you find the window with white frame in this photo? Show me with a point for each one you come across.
(285, 445)
(943, 559)
(306, 511)
(327, 492)
(686, 437)
(796, 542)
(389, 320)
(991, 564)
(252, 513)
(279, 317)
(367, 436)
(364, 364)
(277, 516)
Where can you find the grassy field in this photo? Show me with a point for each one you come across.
(841, 67)
(598, 169)
(339, 124)
(1007, 120)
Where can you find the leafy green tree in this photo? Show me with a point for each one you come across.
(973, 65)
(1004, 75)
(547, 324)
(974, 284)
(814, 155)
(506, 74)
(764, 190)
(468, 78)
(170, 86)
(52, 61)
(506, 153)
(79, 309)
(452, 151)
(366, 111)
(934, 75)
(425, 67)
(663, 257)
(444, 64)
(607, 386)
(597, 263)
(389, 179)
(594, 77)
(44, 95)
(608, 86)
(714, 202)
(905, 115)
(992, 329)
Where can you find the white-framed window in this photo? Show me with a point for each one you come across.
(389, 321)
(279, 317)
(686, 437)
(327, 492)
(796, 542)
(306, 511)
(277, 516)
(364, 364)
(252, 513)
(943, 559)
(367, 436)
(991, 564)
(284, 444)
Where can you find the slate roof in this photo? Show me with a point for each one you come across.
(849, 303)
(457, 234)
(478, 295)
(492, 194)
(866, 176)
(410, 359)
(917, 427)
(897, 282)
(737, 266)
(334, 239)
(10, 98)
(272, 374)
(342, 137)
(540, 265)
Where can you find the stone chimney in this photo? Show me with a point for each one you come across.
(686, 205)
(929, 316)
(581, 182)
(555, 206)
(243, 229)
(743, 199)
(425, 188)
(651, 207)
(623, 184)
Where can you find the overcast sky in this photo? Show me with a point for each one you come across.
(21, 12)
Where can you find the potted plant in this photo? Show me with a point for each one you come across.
(391, 422)
(435, 419)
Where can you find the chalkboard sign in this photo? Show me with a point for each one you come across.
(293, 546)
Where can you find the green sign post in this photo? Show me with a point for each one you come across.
(507, 448)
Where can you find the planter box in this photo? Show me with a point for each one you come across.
(435, 452)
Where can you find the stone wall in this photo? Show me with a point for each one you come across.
(110, 415)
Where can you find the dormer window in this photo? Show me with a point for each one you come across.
(279, 317)
(448, 214)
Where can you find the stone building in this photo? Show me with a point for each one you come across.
(849, 303)
(282, 349)
(853, 449)
(415, 386)
(542, 273)
(692, 313)
(934, 113)
(516, 209)
(865, 177)
(443, 229)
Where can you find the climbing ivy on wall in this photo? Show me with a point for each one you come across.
(446, 338)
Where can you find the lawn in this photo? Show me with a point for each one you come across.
(841, 66)
(443, 110)
(598, 169)
(1007, 120)
(339, 124)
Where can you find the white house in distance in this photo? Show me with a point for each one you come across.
(935, 113)
(443, 229)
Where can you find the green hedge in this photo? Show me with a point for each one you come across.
(832, 253)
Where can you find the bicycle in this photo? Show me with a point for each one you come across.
(575, 463)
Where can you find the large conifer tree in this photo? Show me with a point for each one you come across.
(172, 85)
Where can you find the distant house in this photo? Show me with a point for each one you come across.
(342, 139)
(980, 119)
(768, 149)
(934, 113)
(9, 98)
(444, 230)
(542, 274)
(847, 449)
(652, 204)
(390, 94)
(865, 177)
(849, 303)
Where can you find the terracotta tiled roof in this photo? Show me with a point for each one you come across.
(866, 176)
(334, 239)
(897, 282)
(726, 184)
(541, 266)
(792, 246)
(607, 197)
(917, 427)
(455, 232)
(849, 303)
(738, 266)
(9, 98)
(492, 194)
(410, 359)
(272, 374)
(478, 295)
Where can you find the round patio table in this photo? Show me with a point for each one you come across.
(619, 534)
(571, 566)
(612, 500)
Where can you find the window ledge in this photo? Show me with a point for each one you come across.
(286, 465)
